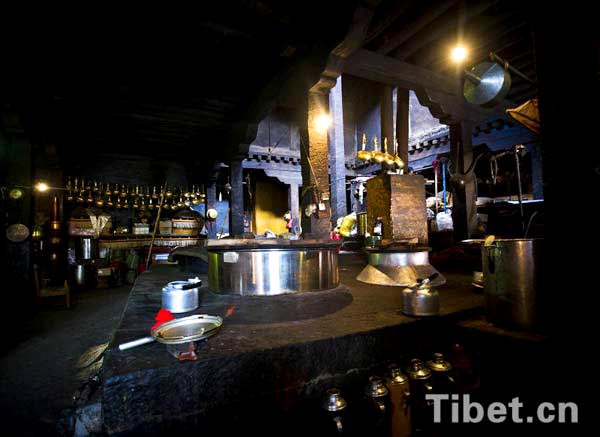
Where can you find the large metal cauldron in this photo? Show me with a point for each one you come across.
(267, 272)
(512, 274)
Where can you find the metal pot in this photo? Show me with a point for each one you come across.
(181, 296)
(511, 272)
(420, 299)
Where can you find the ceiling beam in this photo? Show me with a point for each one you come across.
(440, 94)
(480, 52)
(436, 31)
(354, 39)
(406, 32)
(389, 16)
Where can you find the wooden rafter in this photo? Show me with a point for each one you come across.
(404, 34)
(436, 31)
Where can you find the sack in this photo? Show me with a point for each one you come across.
(444, 221)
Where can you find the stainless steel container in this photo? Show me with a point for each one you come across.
(273, 271)
(361, 223)
(421, 301)
(86, 248)
(399, 268)
(181, 296)
(511, 275)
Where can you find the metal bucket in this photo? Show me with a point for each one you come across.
(512, 270)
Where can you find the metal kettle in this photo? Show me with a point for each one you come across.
(420, 299)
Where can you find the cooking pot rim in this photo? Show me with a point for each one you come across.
(502, 240)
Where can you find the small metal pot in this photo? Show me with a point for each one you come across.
(181, 296)
(420, 300)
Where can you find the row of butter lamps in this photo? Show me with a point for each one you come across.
(102, 196)
(378, 156)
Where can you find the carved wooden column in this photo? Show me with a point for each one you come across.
(464, 209)
(337, 155)
(315, 166)
(294, 200)
(402, 123)
(236, 197)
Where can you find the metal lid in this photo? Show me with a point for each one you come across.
(376, 388)
(334, 401)
(439, 363)
(183, 285)
(395, 375)
(417, 370)
(186, 329)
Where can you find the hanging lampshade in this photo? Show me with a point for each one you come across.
(528, 114)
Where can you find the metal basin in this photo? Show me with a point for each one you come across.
(399, 268)
(268, 272)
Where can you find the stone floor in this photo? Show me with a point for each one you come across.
(39, 370)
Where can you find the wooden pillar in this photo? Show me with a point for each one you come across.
(337, 155)
(236, 198)
(537, 180)
(315, 166)
(464, 209)
(293, 200)
(402, 123)
(387, 117)
(211, 202)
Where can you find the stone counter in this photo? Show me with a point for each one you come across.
(274, 352)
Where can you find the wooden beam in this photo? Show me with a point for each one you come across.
(385, 69)
(480, 52)
(475, 32)
(442, 96)
(389, 16)
(354, 39)
(408, 31)
(430, 34)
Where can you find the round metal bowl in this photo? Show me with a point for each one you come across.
(272, 271)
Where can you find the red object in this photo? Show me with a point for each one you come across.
(162, 316)
(141, 268)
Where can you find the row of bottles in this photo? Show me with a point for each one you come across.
(138, 197)
(395, 405)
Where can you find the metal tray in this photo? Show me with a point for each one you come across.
(186, 329)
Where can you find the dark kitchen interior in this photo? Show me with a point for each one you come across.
(365, 217)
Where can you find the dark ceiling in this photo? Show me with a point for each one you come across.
(422, 32)
(173, 83)
(156, 82)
